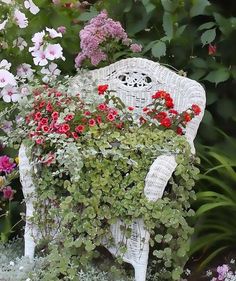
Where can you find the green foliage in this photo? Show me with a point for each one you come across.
(216, 201)
(178, 33)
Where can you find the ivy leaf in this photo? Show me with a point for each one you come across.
(206, 25)
(208, 36)
(168, 25)
(218, 76)
(199, 7)
(159, 49)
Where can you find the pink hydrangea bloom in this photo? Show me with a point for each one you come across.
(6, 78)
(20, 19)
(136, 48)
(6, 164)
(99, 30)
(8, 193)
(61, 29)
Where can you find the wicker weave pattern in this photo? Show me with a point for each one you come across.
(135, 80)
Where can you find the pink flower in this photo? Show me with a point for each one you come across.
(212, 49)
(55, 115)
(54, 51)
(50, 158)
(51, 72)
(6, 78)
(61, 29)
(20, 18)
(10, 93)
(45, 128)
(49, 107)
(39, 57)
(222, 271)
(131, 108)
(75, 135)
(80, 128)
(110, 117)
(92, 122)
(6, 164)
(136, 48)
(102, 106)
(37, 39)
(24, 70)
(29, 4)
(69, 117)
(53, 33)
(8, 193)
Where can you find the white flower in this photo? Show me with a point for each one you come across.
(6, 78)
(54, 51)
(21, 267)
(28, 279)
(40, 57)
(20, 43)
(24, 70)
(29, 4)
(20, 18)
(12, 263)
(37, 39)
(5, 64)
(2, 25)
(10, 93)
(53, 33)
(51, 72)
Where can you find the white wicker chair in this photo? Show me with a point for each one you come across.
(134, 80)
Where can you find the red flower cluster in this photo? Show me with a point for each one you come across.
(162, 111)
(48, 116)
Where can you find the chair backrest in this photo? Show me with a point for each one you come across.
(135, 80)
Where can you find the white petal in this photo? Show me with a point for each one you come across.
(6, 98)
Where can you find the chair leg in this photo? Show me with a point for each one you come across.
(140, 272)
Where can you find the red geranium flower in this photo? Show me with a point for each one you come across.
(173, 111)
(160, 94)
(187, 117)
(102, 89)
(130, 108)
(179, 131)
(196, 109)
(166, 122)
(169, 102)
(161, 115)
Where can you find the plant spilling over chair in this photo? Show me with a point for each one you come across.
(85, 170)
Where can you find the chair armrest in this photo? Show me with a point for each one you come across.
(158, 176)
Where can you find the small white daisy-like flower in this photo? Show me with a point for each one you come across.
(12, 263)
